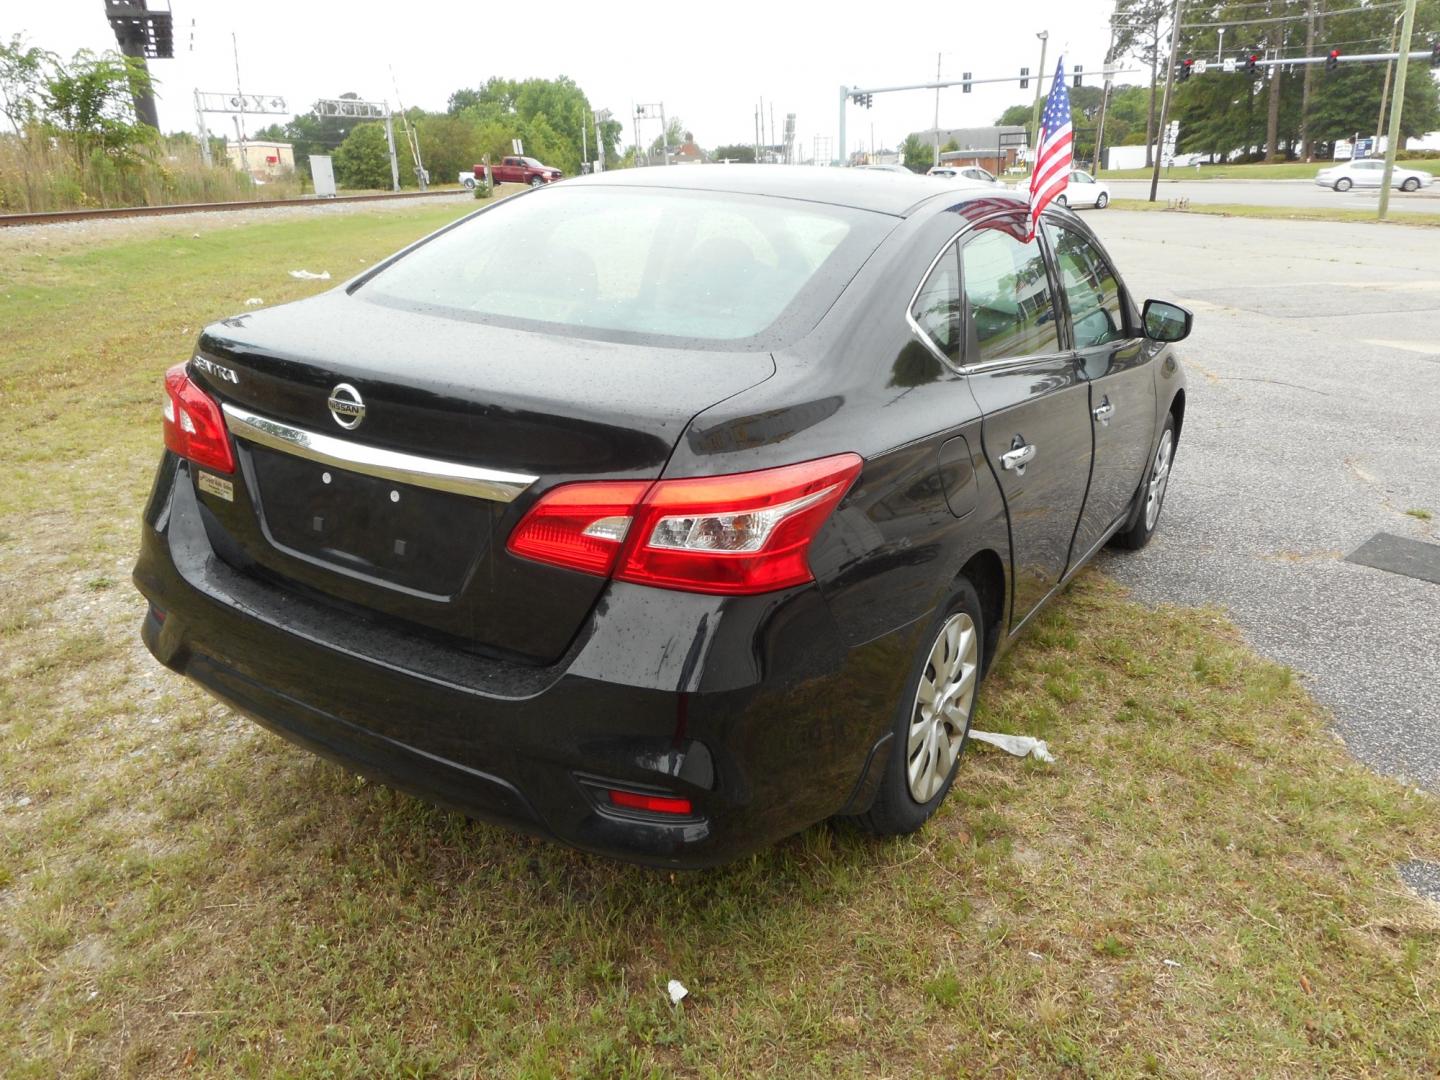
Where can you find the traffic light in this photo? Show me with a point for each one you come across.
(1078, 70)
(965, 87)
(1025, 77)
(1333, 60)
(1184, 72)
(1251, 63)
(869, 100)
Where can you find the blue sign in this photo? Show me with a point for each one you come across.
(1363, 147)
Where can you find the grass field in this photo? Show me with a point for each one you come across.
(1287, 170)
(1280, 213)
(1201, 885)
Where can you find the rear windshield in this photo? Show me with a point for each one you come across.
(623, 262)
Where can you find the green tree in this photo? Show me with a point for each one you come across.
(22, 80)
(363, 159)
(735, 152)
(917, 153)
(1142, 30)
(90, 99)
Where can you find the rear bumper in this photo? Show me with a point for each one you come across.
(751, 708)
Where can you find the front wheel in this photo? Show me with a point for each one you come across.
(933, 719)
(535, 181)
(1102, 201)
(1411, 184)
(1152, 492)
(1343, 184)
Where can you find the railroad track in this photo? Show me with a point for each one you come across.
(57, 216)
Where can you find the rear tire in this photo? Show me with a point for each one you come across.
(1411, 184)
(932, 720)
(1151, 496)
(1343, 184)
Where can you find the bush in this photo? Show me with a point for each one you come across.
(1417, 155)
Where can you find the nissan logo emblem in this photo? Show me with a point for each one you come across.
(346, 406)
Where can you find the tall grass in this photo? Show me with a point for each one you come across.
(43, 172)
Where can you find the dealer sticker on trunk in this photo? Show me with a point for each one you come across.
(216, 486)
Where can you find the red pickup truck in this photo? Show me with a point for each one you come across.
(520, 170)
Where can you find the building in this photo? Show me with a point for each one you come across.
(995, 148)
(688, 153)
(261, 158)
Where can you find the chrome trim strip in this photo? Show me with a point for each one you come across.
(479, 483)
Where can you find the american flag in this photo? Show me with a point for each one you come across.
(1055, 153)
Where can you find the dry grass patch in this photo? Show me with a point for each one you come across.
(1202, 885)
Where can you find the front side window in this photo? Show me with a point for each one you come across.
(1092, 291)
(1007, 294)
(937, 306)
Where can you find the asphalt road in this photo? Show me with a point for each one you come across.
(1312, 423)
(1299, 193)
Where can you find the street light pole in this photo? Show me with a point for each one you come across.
(1396, 107)
(1044, 36)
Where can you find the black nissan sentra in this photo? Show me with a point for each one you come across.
(664, 512)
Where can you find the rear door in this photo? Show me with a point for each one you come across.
(1114, 359)
(1036, 428)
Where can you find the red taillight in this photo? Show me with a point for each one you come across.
(655, 804)
(194, 425)
(737, 534)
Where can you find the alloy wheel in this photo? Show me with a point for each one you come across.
(1159, 478)
(943, 701)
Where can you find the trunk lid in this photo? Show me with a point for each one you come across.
(403, 514)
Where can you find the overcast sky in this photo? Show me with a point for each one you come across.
(709, 63)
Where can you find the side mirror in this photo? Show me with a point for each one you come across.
(1164, 321)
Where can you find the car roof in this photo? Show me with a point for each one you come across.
(877, 190)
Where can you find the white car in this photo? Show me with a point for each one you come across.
(1083, 190)
(964, 172)
(1370, 173)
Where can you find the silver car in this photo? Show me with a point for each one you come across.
(1370, 173)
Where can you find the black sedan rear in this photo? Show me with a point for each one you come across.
(702, 529)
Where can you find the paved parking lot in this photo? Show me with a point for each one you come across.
(1313, 423)
(1299, 193)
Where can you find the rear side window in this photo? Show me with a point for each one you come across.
(1007, 294)
(637, 261)
(937, 305)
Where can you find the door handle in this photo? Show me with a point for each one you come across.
(1104, 411)
(1019, 457)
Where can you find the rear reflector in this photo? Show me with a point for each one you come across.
(655, 804)
(737, 534)
(194, 427)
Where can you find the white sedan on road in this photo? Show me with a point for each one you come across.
(1370, 173)
(1083, 190)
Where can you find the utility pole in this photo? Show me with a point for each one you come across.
(1305, 148)
(1389, 74)
(1105, 100)
(1165, 101)
(1044, 36)
(844, 96)
(1397, 104)
(664, 136)
(937, 110)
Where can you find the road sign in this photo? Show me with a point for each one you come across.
(1228, 66)
(1199, 67)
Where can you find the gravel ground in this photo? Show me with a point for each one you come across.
(1313, 422)
(1423, 877)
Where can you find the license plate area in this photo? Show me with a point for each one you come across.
(410, 536)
